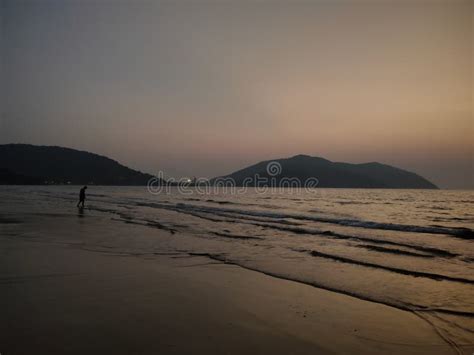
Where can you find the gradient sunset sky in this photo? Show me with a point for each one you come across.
(203, 88)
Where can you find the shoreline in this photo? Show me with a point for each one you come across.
(66, 296)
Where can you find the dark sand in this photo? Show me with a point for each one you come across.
(59, 295)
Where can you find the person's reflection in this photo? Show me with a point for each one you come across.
(80, 212)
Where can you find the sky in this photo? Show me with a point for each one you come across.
(204, 88)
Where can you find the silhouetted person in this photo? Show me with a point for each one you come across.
(82, 196)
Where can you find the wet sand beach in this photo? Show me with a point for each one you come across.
(62, 292)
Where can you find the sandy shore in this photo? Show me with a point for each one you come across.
(60, 295)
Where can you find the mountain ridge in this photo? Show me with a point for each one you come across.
(35, 164)
(330, 174)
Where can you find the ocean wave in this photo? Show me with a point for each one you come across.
(437, 277)
(459, 232)
(268, 220)
(212, 214)
(395, 251)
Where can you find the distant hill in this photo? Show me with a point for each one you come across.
(332, 174)
(29, 164)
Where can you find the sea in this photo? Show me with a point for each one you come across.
(408, 249)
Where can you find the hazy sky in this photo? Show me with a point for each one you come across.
(205, 88)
